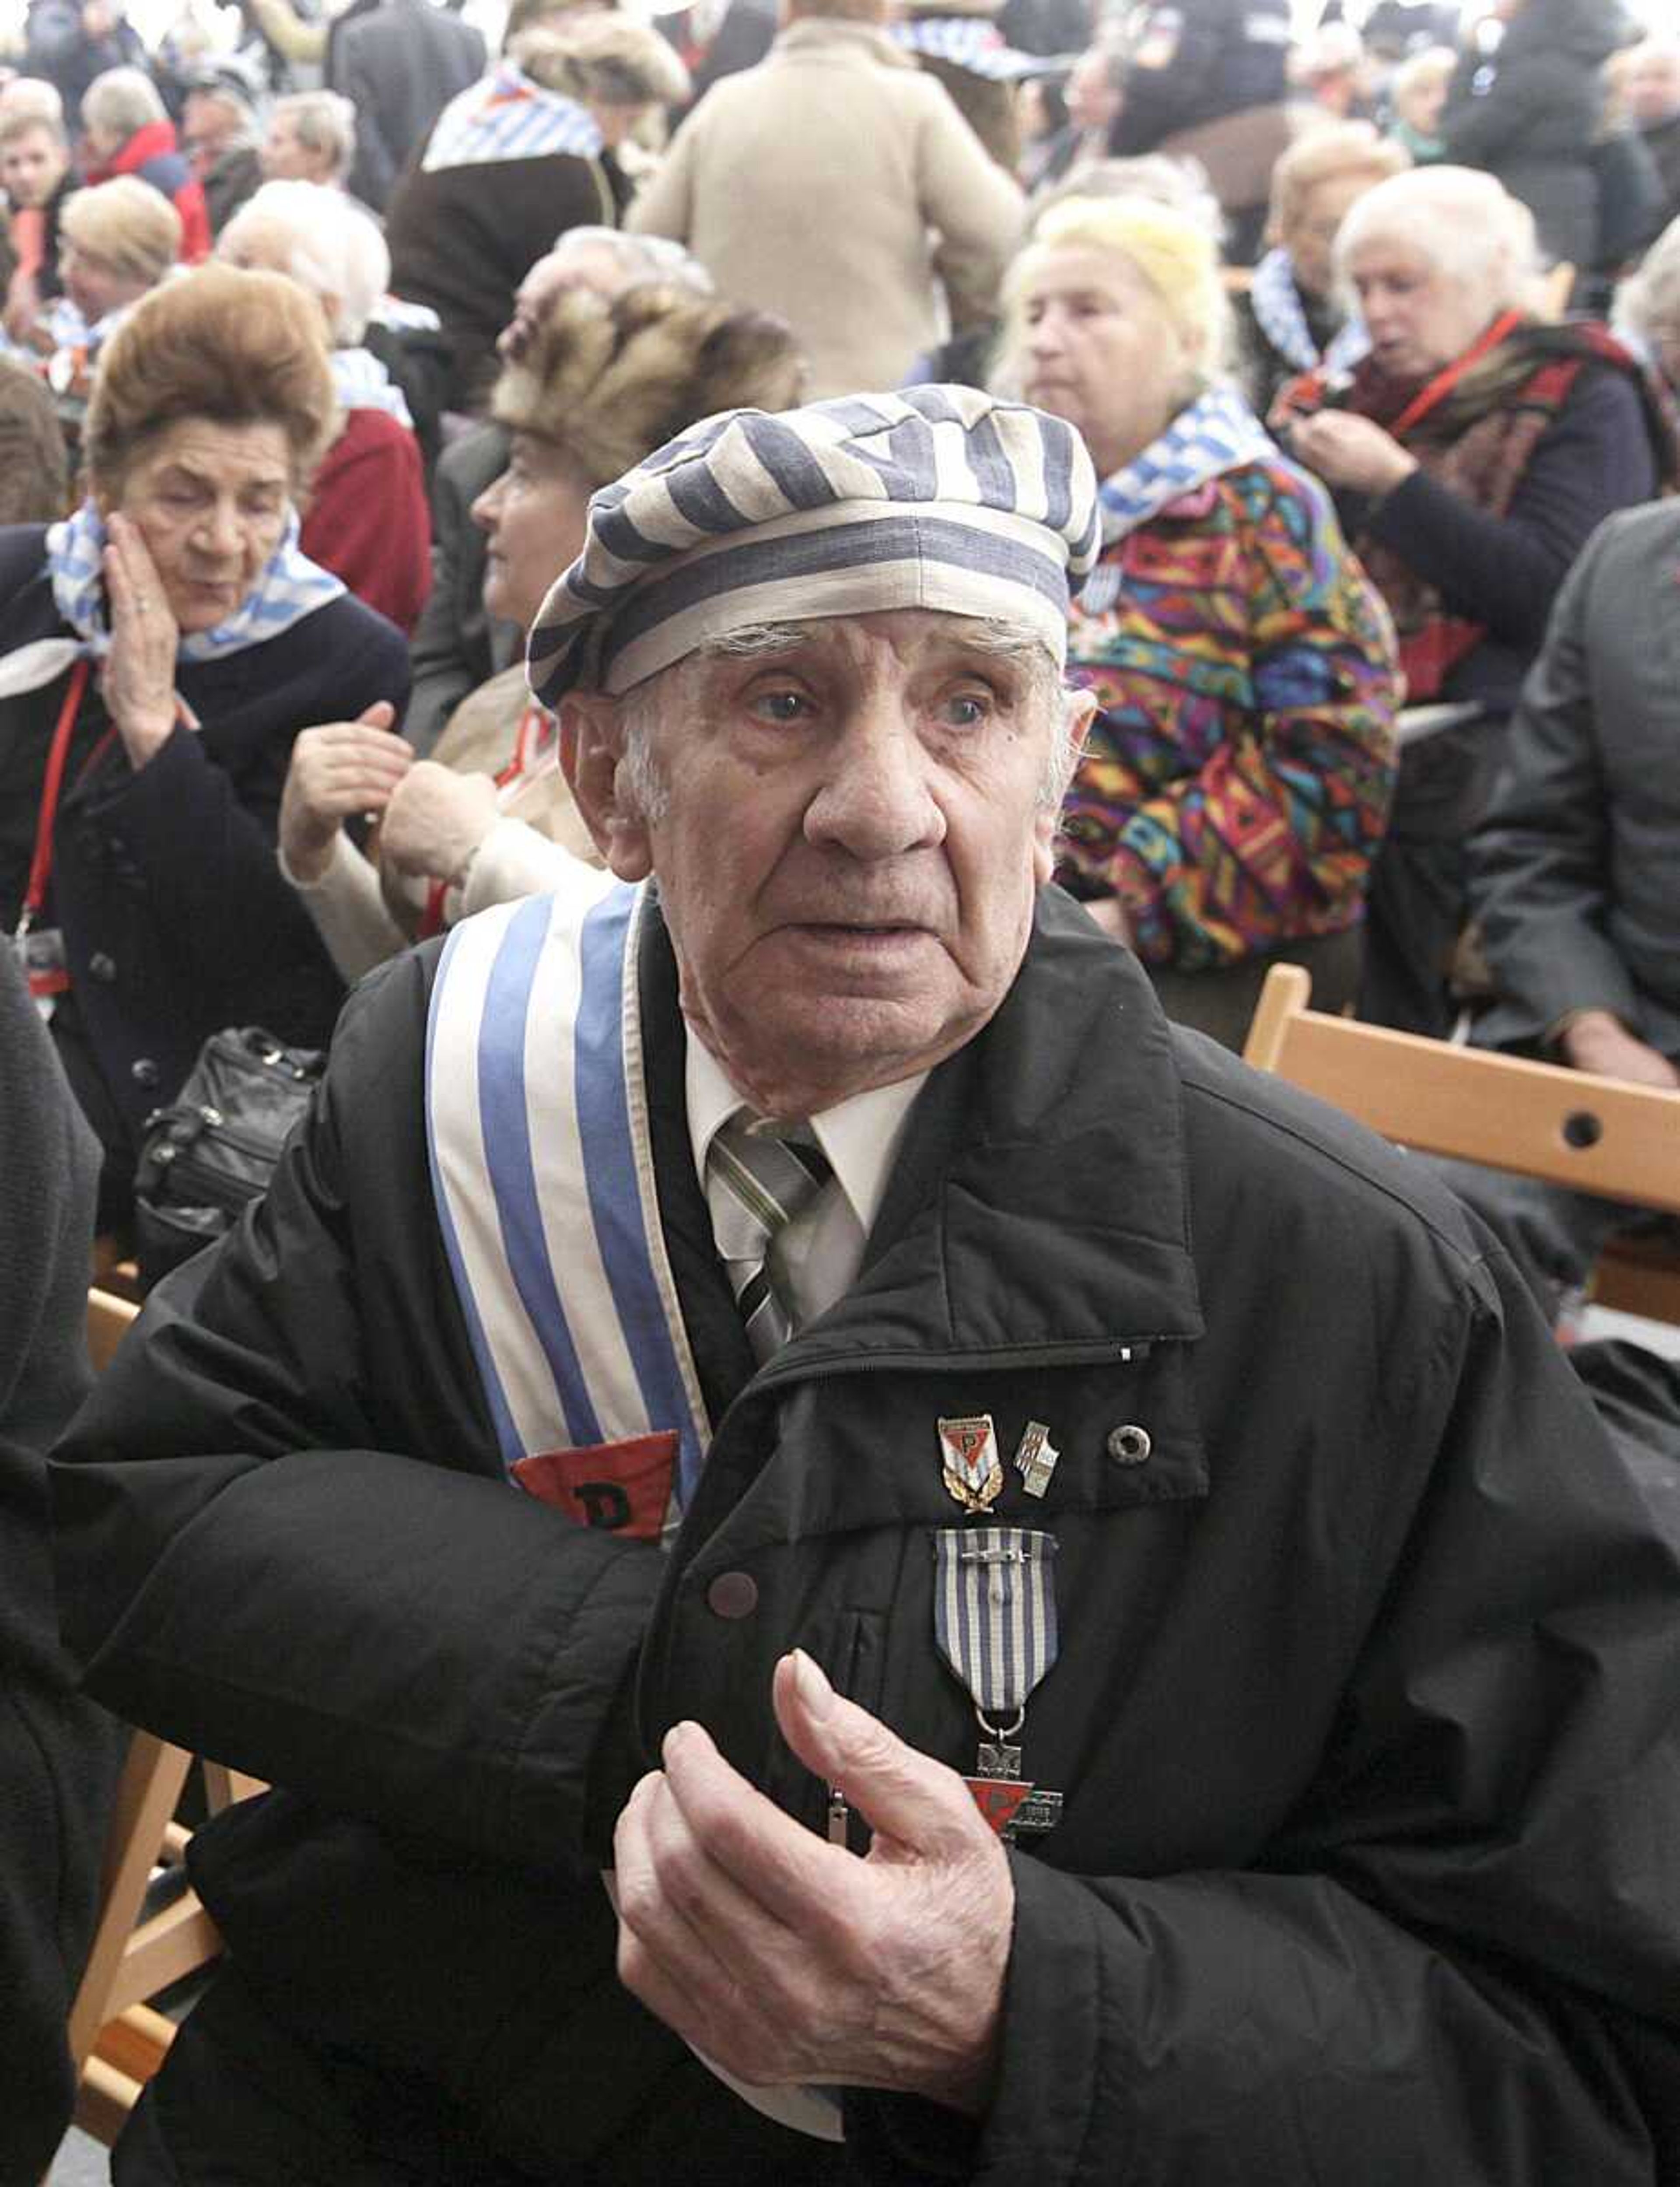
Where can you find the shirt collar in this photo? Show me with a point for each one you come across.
(860, 1136)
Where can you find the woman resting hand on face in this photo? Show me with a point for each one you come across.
(1473, 452)
(1236, 778)
(600, 385)
(159, 652)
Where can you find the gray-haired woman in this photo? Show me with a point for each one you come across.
(1472, 452)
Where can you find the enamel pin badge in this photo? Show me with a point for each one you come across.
(974, 1472)
(1036, 1459)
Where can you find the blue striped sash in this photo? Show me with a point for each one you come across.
(542, 1170)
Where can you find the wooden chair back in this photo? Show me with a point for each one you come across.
(1568, 1126)
(117, 2039)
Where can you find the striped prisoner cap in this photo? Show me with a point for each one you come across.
(939, 498)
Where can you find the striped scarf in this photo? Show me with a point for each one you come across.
(1216, 433)
(508, 116)
(361, 382)
(967, 41)
(1281, 317)
(288, 588)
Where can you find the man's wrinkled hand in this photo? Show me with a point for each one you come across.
(789, 1959)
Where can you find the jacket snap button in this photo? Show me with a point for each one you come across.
(1129, 1445)
(733, 1594)
(143, 1071)
(102, 967)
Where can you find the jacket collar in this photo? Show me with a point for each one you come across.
(1039, 1207)
(828, 34)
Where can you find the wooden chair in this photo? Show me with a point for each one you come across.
(117, 2038)
(1569, 1128)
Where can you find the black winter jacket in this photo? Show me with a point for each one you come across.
(1365, 1710)
(1529, 116)
(175, 917)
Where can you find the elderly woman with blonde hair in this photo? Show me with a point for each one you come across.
(1471, 453)
(368, 521)
(159, 651)
(116, 241)
(1236, 778)
(1292, 318)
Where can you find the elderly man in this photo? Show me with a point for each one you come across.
(1091, 1624)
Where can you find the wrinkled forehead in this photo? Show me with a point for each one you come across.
(911, 639)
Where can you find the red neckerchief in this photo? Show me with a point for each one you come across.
(1437, 390)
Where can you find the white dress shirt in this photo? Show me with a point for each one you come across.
(821, 1250)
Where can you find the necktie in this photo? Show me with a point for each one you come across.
(757, 1180)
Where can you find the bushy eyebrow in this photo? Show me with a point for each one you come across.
(754, 641)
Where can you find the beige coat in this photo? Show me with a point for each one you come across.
(837, 184)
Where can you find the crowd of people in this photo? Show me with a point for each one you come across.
(766, 626)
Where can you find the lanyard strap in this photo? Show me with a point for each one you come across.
(41, 865)
(1443, 384)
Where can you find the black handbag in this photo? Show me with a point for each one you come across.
(213, 1148)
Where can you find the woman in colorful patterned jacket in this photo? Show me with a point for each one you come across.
(1472, 453)
(1236, 781)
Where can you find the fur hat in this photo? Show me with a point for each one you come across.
(611, 379)
(602, 59)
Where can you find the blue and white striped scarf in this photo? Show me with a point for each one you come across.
(967, 41)
(288, 588)
(361, 382)
(508, 116)
(1217, 432)
(1281, 319)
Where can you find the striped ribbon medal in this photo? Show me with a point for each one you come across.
(994, 1615)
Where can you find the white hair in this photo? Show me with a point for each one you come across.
(638, 257)
(335, 249)
(1648, 303)
(1461, 222)
(122, 101)
(325, 123)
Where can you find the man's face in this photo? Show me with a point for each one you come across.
(1653, 88)
(852, 835)
(31, 166)
(209, 124)
(287, 158)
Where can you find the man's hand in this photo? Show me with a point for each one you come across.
(337, 770)
(1598, 1041)
(787, 1958)
(436, 820)
(1349, 451)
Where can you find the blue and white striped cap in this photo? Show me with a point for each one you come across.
(939, 498)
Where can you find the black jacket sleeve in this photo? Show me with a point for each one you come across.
(1594, 458)
(285, 1538)
(58, 1754)
(1540, 878)
(1410, 1987)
